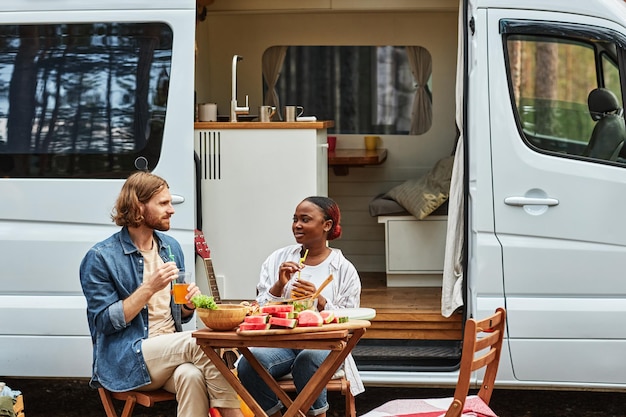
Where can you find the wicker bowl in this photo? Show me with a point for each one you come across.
(226, 317)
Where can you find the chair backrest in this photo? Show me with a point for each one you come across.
(609, 133)
(482, 346)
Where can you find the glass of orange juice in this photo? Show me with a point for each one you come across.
(179, 287)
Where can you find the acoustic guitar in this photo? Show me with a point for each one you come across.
(202, 249)
(229, 356)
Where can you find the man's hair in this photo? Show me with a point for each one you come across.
(138, 188)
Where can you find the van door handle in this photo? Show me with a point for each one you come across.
(531, 201)
(177, 199)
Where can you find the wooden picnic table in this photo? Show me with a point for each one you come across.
(339, 338)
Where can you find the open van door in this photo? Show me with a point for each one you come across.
(559, 214)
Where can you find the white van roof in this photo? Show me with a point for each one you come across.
(61, 5)
(597, 8)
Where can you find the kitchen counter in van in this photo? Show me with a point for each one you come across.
(321, 124)
(252, 175)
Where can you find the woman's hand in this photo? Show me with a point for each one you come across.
(285, 271)
(302, 288)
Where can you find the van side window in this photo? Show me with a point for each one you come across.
(610, 72)
(551, 78)
(82, 100)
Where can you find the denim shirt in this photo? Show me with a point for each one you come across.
(111, 271)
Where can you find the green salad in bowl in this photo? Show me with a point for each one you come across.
(304, 304)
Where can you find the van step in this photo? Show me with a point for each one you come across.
(407, 355)
(415, 325)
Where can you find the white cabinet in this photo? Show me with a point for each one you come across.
(251, 180)
(414, 250)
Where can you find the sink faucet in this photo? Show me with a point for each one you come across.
(234, 109)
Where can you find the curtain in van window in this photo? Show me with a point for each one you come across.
(421, 67)
(272, 63)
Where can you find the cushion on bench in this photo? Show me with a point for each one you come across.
(382, 206)
(420, 196)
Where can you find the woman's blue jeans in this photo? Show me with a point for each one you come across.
(302, 364)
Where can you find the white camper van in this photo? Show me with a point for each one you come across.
(525, 97)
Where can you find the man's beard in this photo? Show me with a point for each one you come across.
(156, 223)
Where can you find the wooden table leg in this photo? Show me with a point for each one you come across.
(327, 369)
(314, 387)
(234, 381)
(354, 339)
(266, 377)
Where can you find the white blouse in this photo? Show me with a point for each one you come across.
(344, 291)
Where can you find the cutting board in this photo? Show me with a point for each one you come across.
(351, 324)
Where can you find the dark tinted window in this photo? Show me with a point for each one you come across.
(82, 100)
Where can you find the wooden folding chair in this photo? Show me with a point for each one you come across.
(130, 398)
(482, 346)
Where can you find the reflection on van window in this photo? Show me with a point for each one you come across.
(363, 89)
(82, 100)
(565, 103)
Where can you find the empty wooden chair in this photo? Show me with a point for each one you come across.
(482, 346)
(130, 398)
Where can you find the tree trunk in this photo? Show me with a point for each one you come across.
(546, 85)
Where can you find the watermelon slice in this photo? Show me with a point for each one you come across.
(276, 308)
(328, 316)
(286, 314)
(310, 318)
(257, 318)
(284, 323)
(254, 326)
